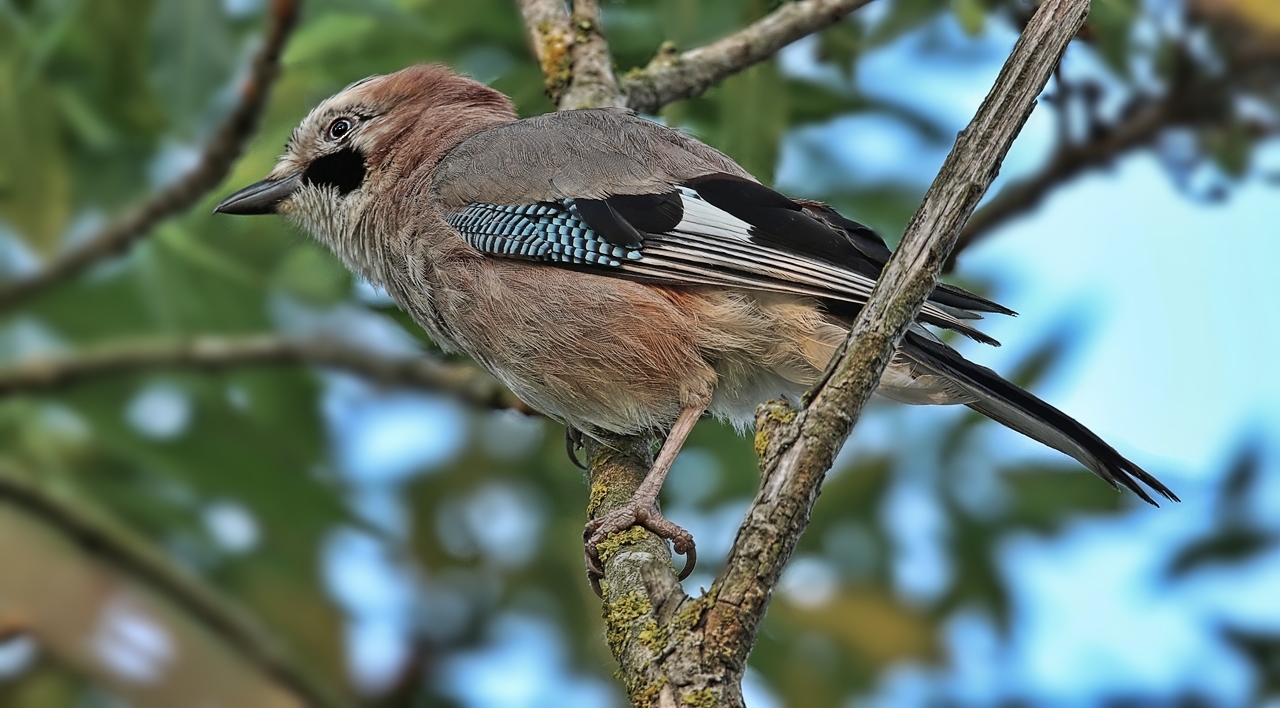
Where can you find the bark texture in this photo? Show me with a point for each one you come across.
(672, 76)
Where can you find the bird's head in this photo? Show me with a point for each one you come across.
(355, 148)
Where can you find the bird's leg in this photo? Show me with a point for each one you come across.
(642, 508)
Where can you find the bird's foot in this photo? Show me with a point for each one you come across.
(636, 512)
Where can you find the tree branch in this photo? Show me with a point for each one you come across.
(673, 649)
(671, 77)
(97, 535)
(463, 380)
(593, 84)
(798, 451)
(573, 53)
(222, 150)
(547, 22)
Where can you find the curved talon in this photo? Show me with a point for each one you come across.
(573, 443)
(684, 546)
(690, 560)
(595, 572)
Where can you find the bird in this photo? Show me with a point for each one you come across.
(619, 276)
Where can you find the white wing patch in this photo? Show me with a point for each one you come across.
(702, 218)
(714, 247)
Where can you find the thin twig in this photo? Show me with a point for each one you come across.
(672, 76)
(222, 150)
(99, 536)
(466, 381)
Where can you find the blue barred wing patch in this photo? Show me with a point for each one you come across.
(547, 231)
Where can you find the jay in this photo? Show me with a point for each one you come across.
(617, 275)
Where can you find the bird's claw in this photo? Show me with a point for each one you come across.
(572, 444)
(623, 518)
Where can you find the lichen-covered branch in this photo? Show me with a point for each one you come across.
(676, 650)
(571, 48)
(216, 159)
(547, 22)
(136, 557)
(672, 76)
(798, 449)
(465, 381)
(593, 84)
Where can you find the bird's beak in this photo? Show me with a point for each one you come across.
(260, 198)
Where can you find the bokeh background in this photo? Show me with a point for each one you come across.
(406, 550)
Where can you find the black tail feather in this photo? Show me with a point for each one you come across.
(1020, 410)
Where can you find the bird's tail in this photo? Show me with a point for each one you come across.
(1018, 409)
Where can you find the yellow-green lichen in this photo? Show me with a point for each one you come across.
(700, 698)
(626, 608)
(690, 615)
(666, 57)
(780, 413)
(557, 64)
(618, 616)
(653, 636)
(614, 541)
(773, 411)
(761, 442)
(647, 695)
(598, 492)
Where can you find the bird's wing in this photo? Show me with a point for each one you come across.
(612, 193)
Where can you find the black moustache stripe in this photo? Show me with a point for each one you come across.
(344, 170)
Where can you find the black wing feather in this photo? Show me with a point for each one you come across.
(605, 221)
(650, 213)
(862, 237)
(778, 221)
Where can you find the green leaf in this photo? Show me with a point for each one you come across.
(970, 14)
(1111, 22)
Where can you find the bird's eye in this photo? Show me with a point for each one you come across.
(339, 128)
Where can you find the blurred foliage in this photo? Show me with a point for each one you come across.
(242, 478)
